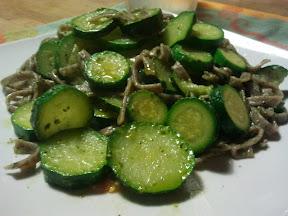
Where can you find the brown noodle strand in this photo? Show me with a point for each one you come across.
(224, 148)
(27, 163)
(122, 113)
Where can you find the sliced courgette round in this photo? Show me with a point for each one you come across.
(71, 45)
(229, 58)
(73, 158)
(103, 118)
(117, 41)
(205, 36)
(190, 89)
(179, 28)
(114, 103)
(272, 73)
(231, 109)
(21, 122)
(122, 44)
(68, 51)
(107, 69)
(60, 108)
(104, 114)
(143, 22)
(94, 24)
(47, 58)
(194, 61)
(195, 121)
(145, 106)
(161, 71)
(150, 158)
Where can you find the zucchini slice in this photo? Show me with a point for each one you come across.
(107, 69)
(122, 44)
(103, 116)
(73, 158)
(21, 122)
(195, 121)
(68, 51)
(60, 108)
(162, 71)
(179, 27)
(190, 89)
(231, 109)
(70, 45)
(117, 41)
(144, 22)
(150, 158)
(194, 61)
(47, 57)
(205, 36)
(230, 59)
(272, 73)
(114, 103)
(94, 24)
(145, 106)
(147, 77)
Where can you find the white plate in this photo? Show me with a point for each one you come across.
(246, 187)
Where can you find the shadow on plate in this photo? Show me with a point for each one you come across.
(222, 165)
(108, 184)
(191, 187)
(285, 92)
(25, 173)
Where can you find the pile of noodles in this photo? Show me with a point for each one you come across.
(261, 98)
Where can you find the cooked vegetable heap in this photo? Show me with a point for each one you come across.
(145, 94)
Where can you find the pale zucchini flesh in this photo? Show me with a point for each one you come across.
(73, 158)
(195, 121)
(150, 158)
(60, 108)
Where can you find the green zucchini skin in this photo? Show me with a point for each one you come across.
(194, 61)
(107, 69)
(195, 121)
(146, 77)
(70, 45)
(112, 103)
(146, 23)
(68, 51)
(47, 58)
(149, 158)
(70, 182)
(106, 111)
(228, 126)
(103, 116)
(77, 111)
(236, 63)
(117, 41)
(21, 122)
(272, 73)
(161, 71)
(25, 134)
(179, 28)
(78, 147)
(190, 89)
(145, 106)
(103, 28)
(122, 44)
